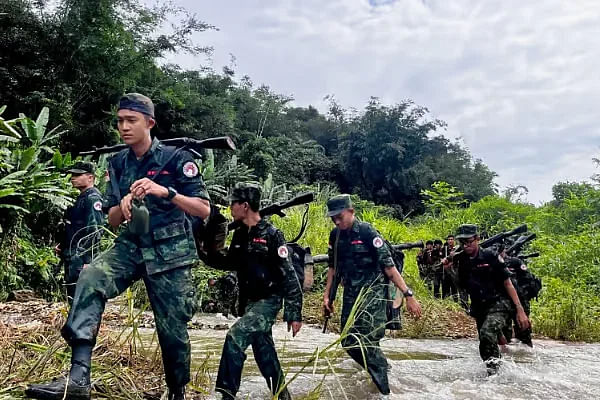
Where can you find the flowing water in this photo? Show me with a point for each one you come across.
(420, 369)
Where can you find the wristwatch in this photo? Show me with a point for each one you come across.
(408, 293)
(172, 193)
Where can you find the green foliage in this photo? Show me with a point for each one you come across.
(442, 197)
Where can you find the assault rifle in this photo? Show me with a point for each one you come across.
(517, 246)
(277, 208)
(497, 238)
(323, 258)
(194, 145)
(526, 256)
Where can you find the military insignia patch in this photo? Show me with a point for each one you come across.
(282, 251)
(377, 242)
(524, 267)
(98, 206)
(190, 169)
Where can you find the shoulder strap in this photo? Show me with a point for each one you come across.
(175, 151)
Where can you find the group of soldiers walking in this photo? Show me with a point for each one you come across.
(440, 278)
(155, 190)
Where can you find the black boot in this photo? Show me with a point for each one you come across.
(285, 395)
(55, 390)
(177, 393)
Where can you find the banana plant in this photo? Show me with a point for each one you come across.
(29, 179)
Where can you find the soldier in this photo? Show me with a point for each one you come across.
(425, 263)
(487, 280)
(83, 225)
(522, 281)
(437, 268)
(266, 280)
(157, 185)
(358, 255)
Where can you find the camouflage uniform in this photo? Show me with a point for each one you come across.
(222, 296)
(266, 281)
(162, 258)
(483, 277)
(361, 258)
(82, 231)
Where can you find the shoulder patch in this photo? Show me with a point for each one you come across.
(377, 242)
(524, 267)
(98, 206)
(190, 169)
(282, 251)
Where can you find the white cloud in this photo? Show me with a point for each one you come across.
(518, 81)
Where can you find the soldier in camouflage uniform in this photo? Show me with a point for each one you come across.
(161, 256)
(83, 225)
(358, 255)
(484, 275)
(266, 280)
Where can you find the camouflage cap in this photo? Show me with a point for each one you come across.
(337, 204)
(467, 231)
(82, 167)
(137, 102)
(246, 192)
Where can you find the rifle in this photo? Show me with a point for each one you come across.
(517, 246)
(526, 256)
(194, 145)
(277, 208)
(497, 238)
(323, 258)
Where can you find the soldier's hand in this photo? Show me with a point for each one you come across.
(327, 306)
(126, 206)
(522, 319)
(143, 187)
(57, 249)
(295, 327)
(413, 306)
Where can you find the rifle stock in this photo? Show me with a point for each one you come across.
(277, 208)
(407, 246)
(217, 143)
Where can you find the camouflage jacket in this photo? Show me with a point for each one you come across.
(82, 225)
(264, 267)
(170, 242)
(361, 254)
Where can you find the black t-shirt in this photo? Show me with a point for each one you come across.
(483, 276)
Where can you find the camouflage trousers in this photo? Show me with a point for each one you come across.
(524, 335)
(253, 328)
(362, 339)
(489, 326)
(171, 294)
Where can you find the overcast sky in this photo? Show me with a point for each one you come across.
(518, 81)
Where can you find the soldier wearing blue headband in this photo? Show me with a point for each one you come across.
(158, 248)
